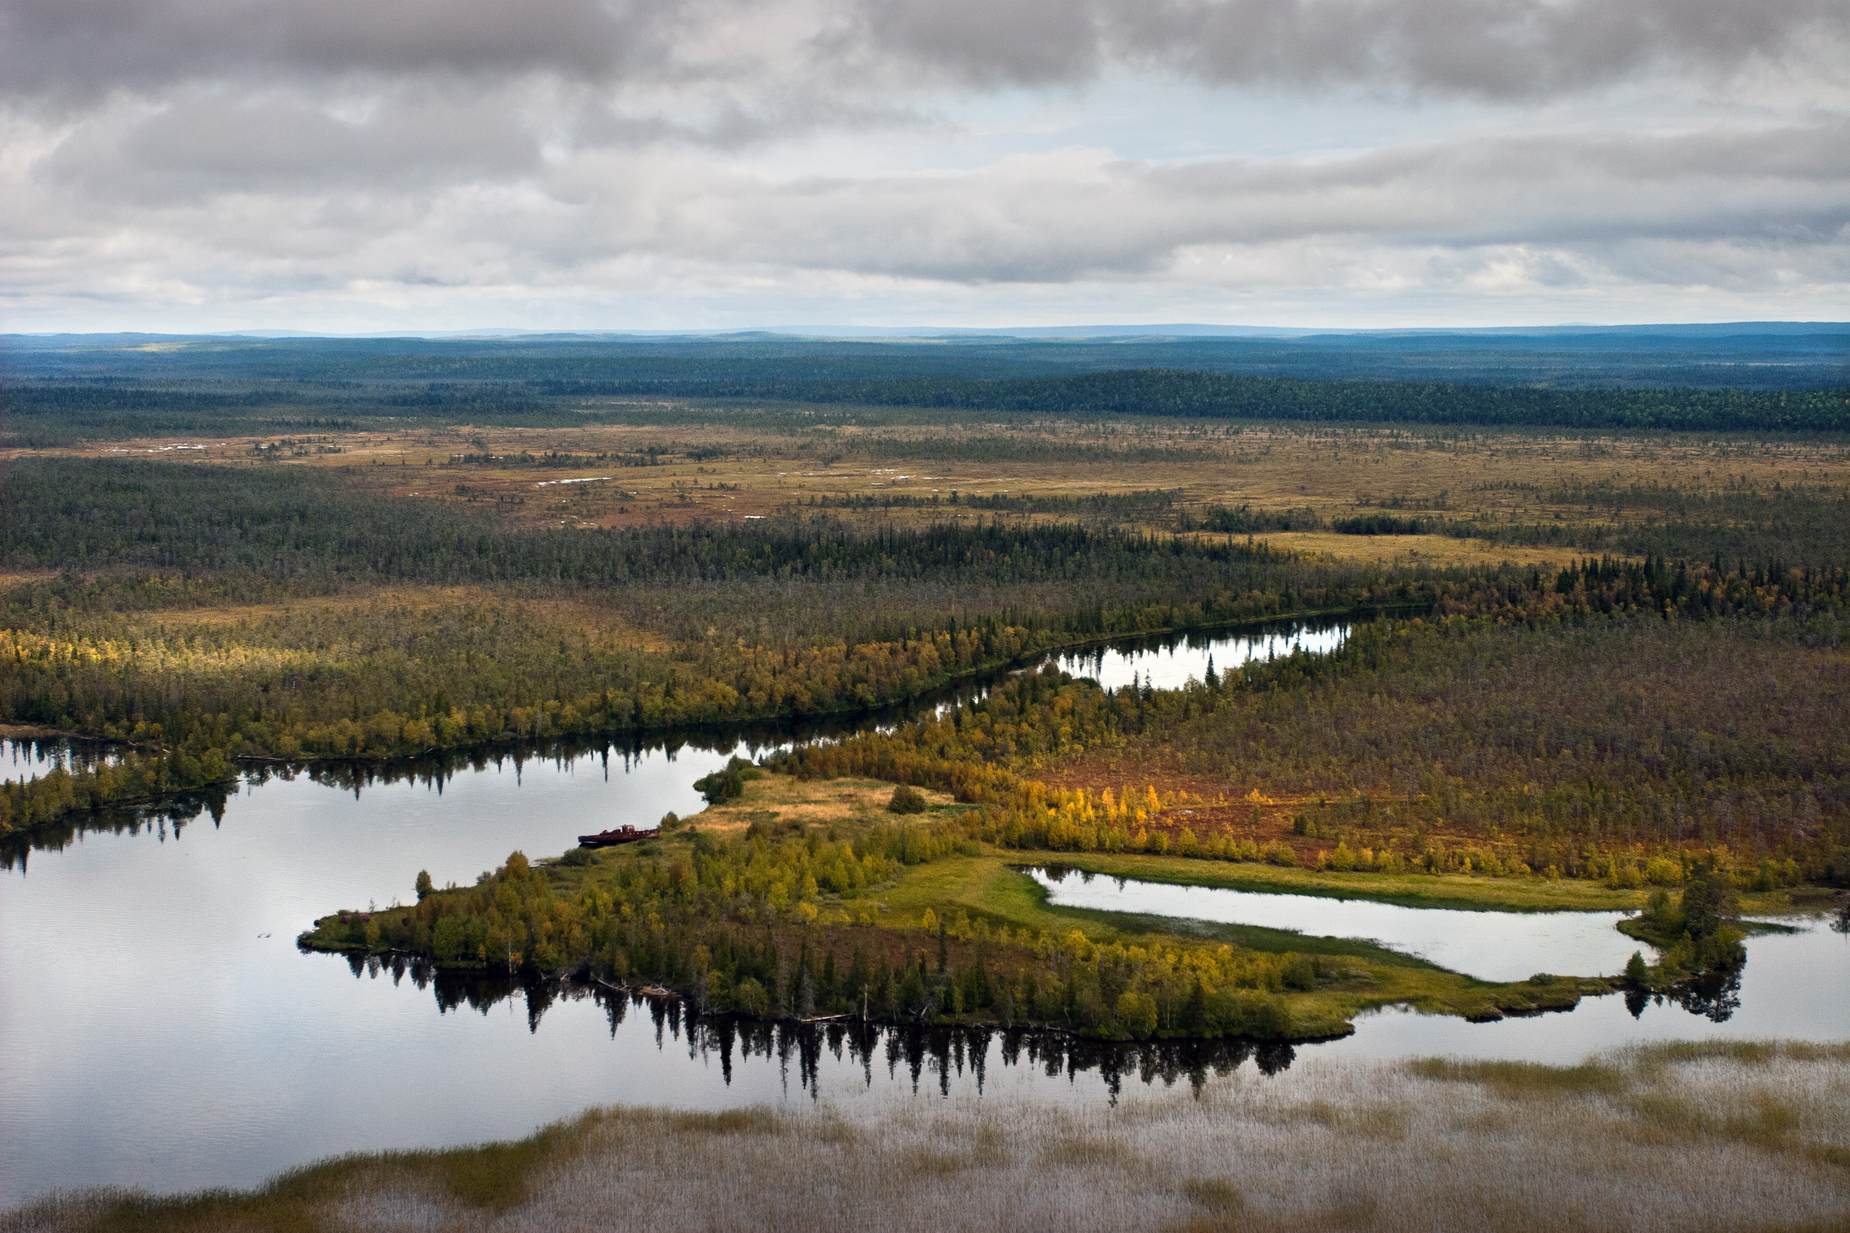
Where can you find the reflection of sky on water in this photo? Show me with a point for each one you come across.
(1794, 986)
(1487, 945)
(21, 761)
(1171, 667)
(161, 1029)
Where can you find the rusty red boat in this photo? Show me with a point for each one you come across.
(622, 834)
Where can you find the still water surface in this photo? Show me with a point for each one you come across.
(22, 761)
(1488, 945)
(1795, 985)
(1173, 663)
(159, 1027)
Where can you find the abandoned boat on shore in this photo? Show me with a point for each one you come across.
(609, 839)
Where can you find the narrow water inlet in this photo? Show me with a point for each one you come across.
(1489, 945)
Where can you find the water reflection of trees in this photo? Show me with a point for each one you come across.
(173, 813)
(925, 1057)
(1090, 661)
(1714, 995)
(433, 770)
(437, 768)
(169, 816)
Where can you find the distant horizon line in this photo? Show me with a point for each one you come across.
(822, 332)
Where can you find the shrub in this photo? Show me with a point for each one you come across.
(728, 784)
(906, 799)
(1637, 973)
(1301, 975)
(1137, 1013)
(749, 998)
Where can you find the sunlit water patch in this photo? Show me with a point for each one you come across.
(1171, 663)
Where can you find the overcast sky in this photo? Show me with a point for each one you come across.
(359, 165)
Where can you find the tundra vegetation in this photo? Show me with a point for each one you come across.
(1735, 1136)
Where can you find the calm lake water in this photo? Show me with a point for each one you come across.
(1173, 663)
(1487, 945)
(160, 1028)
(1795, 985)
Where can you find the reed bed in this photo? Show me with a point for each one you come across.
(1675, 1137)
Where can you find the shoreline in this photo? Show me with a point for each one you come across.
(968, 902)
(935, 694)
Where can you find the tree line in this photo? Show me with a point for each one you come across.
(1179, 392)
(794, 618)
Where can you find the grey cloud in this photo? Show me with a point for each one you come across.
(1076, 216)
(207, 144)
(362, 201)
(1494, 48)
(481, 143)
(1013, 43)
(78, 47)
(1486, 48)
(843, 50)
(1754, 266)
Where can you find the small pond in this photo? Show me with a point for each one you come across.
(1171, 663)
(1496, 946)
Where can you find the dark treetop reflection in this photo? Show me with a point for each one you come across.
(931, 1057)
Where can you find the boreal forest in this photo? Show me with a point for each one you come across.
(1595, 586)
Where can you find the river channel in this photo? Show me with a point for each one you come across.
(161, 1029)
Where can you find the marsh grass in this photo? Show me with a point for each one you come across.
(1685, 1137)
(1524, 1080)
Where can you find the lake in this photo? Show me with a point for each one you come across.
(1498, 946)
(161, 1029)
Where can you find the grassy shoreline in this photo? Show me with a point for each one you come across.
(798, 802)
